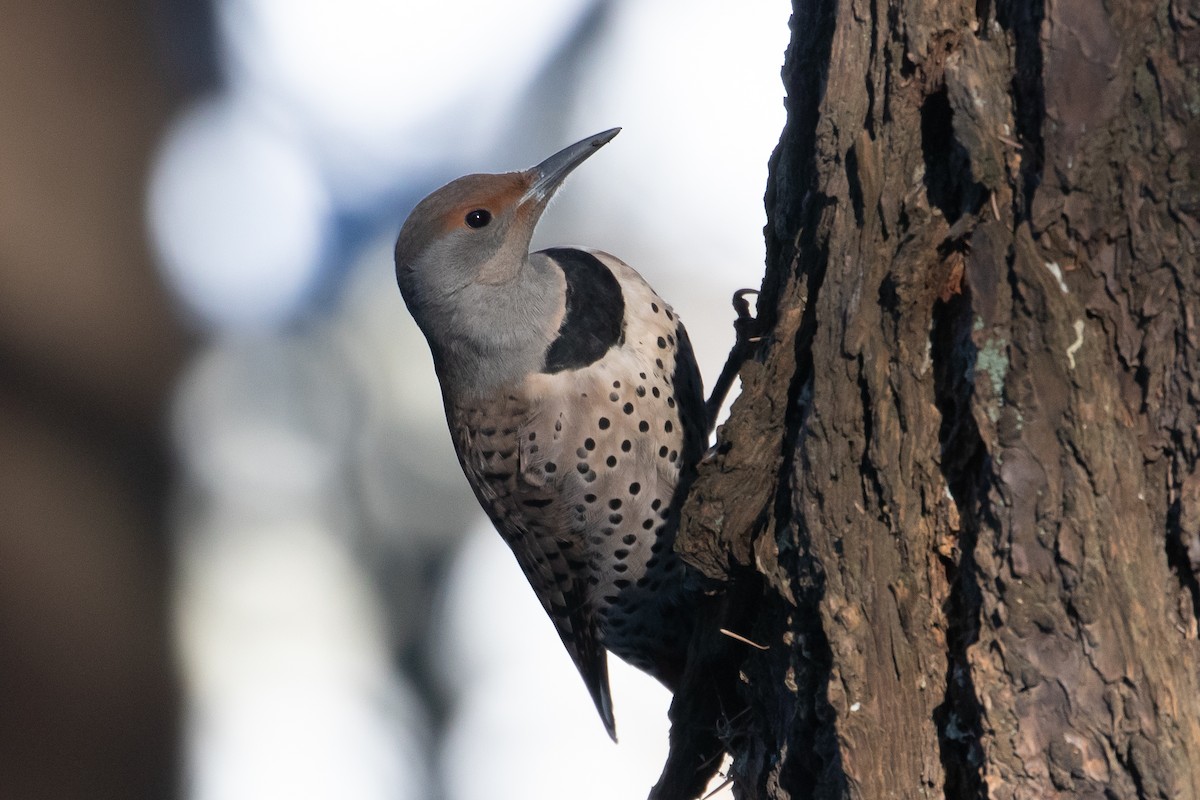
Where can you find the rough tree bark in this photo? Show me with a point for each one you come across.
(963, 476)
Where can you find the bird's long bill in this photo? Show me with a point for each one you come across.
(548, 175)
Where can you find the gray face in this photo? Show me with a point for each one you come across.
(452, 235)
(463, 269)
(462, 261)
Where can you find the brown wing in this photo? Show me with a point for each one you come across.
(500, 445)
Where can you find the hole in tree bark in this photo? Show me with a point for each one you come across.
(948, 181)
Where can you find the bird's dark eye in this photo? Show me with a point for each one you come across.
(478, 218)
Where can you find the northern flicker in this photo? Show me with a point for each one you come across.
(575, 406)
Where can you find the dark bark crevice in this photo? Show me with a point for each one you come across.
(815, 766)
(948, 181)
(1182, 541)
(793, 170)
(1023, 20)
(874, 494)
(964, 466)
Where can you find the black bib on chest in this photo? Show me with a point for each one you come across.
(595, 316)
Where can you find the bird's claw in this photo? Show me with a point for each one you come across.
(746, 326)
(741, 305)
(748, 337)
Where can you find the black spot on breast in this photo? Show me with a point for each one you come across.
(595, 316)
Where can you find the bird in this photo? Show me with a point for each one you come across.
(576, 409)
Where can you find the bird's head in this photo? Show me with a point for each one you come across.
(476, 230)
(488, 310)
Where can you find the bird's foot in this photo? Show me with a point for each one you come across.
(749, 335)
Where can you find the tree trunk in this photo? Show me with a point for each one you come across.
(963, 476)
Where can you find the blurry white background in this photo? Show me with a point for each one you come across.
(350, 625)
